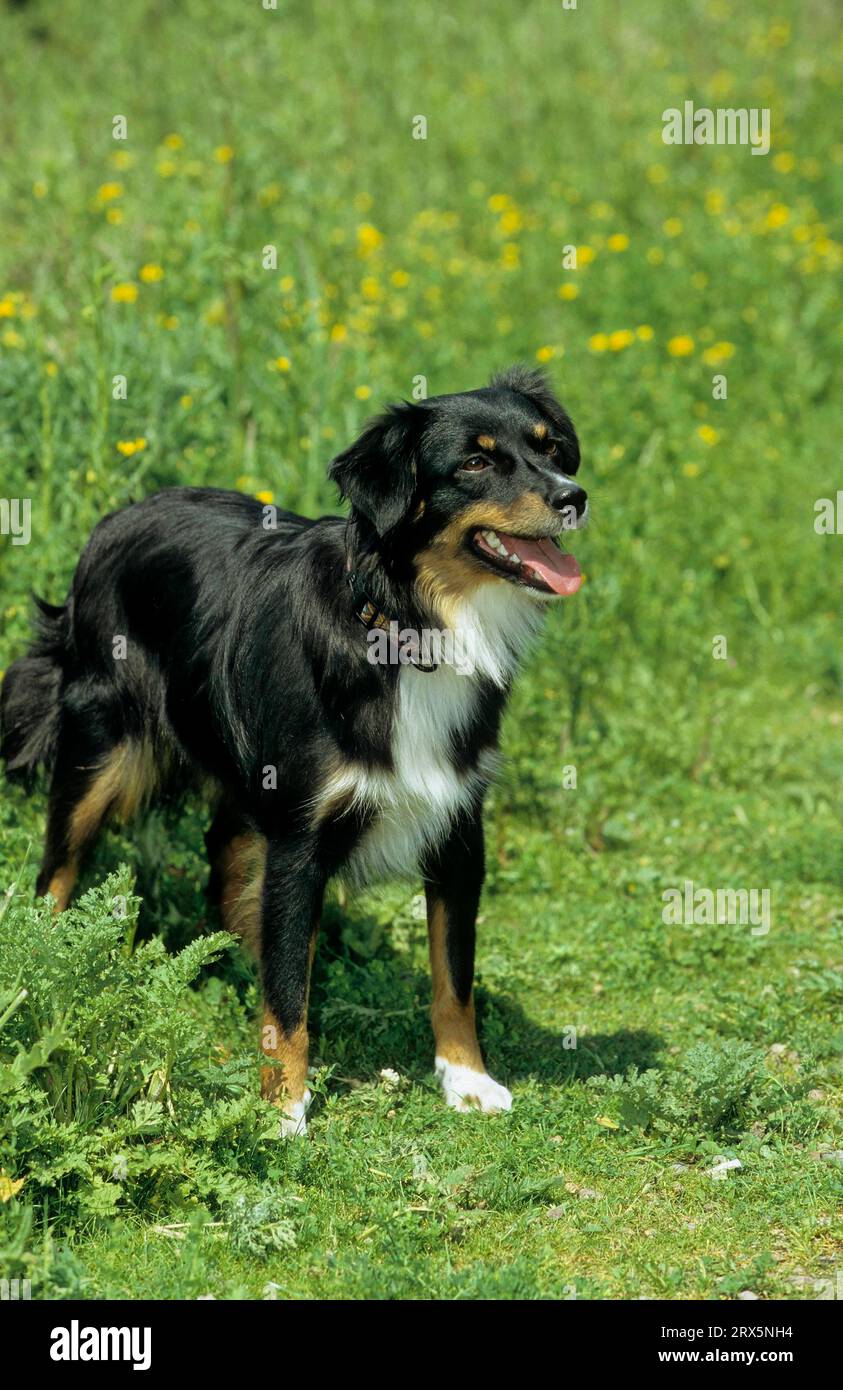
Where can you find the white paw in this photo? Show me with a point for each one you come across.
(466, 1089)
(293, 1122)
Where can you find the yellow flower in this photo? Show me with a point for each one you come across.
(499, 202)
(40, 189)
(125, 293)
(707, 434)
(585, 255)
(214, 315)
(598, 342)
(223, 154)
(168, 321)
(11, 339)
(173, 141)
(400, 279)
(185, 402)
(691, 470)
(657, 173)
(785, 162)
(369, 239)
(644, 332)
(510, 255)
(672, 226)
(51, 368)
(370, 288)
(362, 392)
(265, 496)
(151, 273)
(9, 1187)
(127, 447)
(286, 284)
(122, 159)
(718, 353)
(339, 333)
(618, 241)
(714, 201)
(545, 354)
(621, 338)
(191, 226)
(114, 216)
(778, 215)
(90, 476)
(108, 191)
(7, 307)
(568, 291)
(681, 346)
(511, 222)
(281, 364)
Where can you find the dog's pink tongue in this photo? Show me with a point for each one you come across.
(560, 571)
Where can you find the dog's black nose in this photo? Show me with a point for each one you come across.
(568, 498)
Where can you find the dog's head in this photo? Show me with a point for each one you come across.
(472, 489)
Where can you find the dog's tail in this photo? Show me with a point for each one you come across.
(29, 699)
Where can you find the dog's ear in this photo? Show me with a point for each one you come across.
(532, 383)
(377, 474)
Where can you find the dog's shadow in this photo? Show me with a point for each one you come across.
(370, 999)
(373, 1011)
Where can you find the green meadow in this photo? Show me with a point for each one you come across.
(222, 294)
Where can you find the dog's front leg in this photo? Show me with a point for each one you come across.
(293, 888)
(453, 879)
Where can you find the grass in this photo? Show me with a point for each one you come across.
(137, 1158)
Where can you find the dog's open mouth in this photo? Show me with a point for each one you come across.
(537, 564)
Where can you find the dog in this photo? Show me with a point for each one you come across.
(211, 641)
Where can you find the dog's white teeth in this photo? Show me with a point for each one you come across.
(489, 537)
(516, 558)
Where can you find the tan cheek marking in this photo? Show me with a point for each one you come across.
(486, 441)
(454, 1027)
(540, 431)
(446, 573)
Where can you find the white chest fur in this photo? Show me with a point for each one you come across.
(415, 802)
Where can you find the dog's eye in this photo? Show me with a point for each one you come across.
(475, 465)
(550, 449)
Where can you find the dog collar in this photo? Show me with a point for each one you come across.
(366, 611)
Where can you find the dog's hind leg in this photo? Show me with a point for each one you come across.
(97, 772)
(293, 889)
(453, 879)
(237, 856)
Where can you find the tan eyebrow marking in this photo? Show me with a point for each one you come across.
(540, 431)
(486, 441)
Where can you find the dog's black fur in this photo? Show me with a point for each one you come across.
(243, 653)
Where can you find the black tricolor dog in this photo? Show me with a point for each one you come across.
(208, 640)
